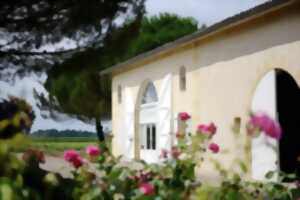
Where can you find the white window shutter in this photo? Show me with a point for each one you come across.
(164, 124)
(127, 133)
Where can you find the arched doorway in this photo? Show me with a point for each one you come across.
(148, 124)
(278, 95)
(152, 119)
(288, 108)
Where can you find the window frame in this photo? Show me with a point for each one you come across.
(148, 136)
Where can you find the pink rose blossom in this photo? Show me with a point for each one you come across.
(70, 154)
(73, 157)
(184, 116)
(214, 147)
(209, 129)
(147, 189)
(265, 123)
(77, 162)
(92, 150)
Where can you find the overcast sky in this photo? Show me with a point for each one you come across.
(205, 11)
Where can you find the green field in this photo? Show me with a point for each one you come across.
(56, 146)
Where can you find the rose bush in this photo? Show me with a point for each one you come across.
(109, 179)
(209, 129)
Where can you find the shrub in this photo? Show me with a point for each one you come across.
(174, 178)
(16, 117)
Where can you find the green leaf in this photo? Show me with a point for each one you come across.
(243, 166)
(270, 175)
(6, 192)
(232, 195)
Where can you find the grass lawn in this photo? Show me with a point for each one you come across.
(56, 146)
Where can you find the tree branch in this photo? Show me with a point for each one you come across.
(36, 53)
(96, 39)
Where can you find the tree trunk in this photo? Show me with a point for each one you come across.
(99, 129)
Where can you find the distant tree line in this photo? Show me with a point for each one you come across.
(64, 133)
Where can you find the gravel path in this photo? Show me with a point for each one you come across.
(60, 166)
(57, 165)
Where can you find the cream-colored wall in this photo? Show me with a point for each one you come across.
(222, 74)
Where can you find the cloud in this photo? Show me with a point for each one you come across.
(205, 11)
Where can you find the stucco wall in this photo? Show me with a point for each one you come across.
(222, 74)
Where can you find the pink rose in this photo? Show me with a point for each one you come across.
(184, 116)
(92, 150)
(214, 147)
(70, 154)
(147, 189)
(73, 157)
(77, 162)
(265, 123)
(209, 129)
(212, 128)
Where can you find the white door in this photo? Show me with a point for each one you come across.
(155, 120)
(149, 132)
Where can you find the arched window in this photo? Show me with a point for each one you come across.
(182, 78)
(150, 95)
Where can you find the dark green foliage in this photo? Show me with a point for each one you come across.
(33, 177)
(16, 116)
(24, 179)
(83, 94)
(26, 26)
(158, 30)
(64, 16)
